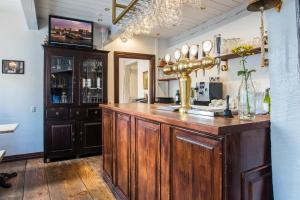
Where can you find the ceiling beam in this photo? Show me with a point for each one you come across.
(29, 10)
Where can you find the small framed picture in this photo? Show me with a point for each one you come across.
(145, 80)
(13, 67)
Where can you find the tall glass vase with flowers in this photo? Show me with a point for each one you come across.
(246, 96)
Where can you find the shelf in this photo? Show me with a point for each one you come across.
(167, 79)
(227, 57)
(61, 71)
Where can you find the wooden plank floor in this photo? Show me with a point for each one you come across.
(78, 179)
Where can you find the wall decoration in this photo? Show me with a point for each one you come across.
(145, 80)
(68, 31)
(13, 67)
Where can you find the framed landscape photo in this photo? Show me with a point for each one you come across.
(68, 31)
(13, 67)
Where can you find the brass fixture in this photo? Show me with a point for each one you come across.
(261, 6)
(224, 68)
(186, 63)
(126, 8)
(255, 5)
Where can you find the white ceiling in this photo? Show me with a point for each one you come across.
(93, 10)
(10, 6)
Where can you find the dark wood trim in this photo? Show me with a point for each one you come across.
(23, 157)
(150, 57)
(217, 126)
(229, 56)
(49, 46)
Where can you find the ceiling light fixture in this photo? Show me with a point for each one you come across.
(142, 16)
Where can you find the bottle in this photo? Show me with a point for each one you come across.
(192, 99)
(267, 100)
(177, 97)
(98, 83)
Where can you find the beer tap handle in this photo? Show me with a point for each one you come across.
(227, 111)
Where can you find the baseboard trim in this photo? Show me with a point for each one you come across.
(23, 157)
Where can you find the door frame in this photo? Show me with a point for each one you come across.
(150, 57)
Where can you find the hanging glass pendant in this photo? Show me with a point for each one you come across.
(146, 15)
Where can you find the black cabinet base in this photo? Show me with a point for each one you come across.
(48, 159)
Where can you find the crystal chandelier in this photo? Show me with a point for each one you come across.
(145, 15)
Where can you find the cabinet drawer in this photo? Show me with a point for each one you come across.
(57, 113)
(78, 113)
(94, 113)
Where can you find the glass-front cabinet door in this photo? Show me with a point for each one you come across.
(61, 80)
(91, 84)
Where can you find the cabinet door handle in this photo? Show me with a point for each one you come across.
(96, 112)
(81, 133)
(57, 113)
(73, 140)
(73, 134)
(77, 113)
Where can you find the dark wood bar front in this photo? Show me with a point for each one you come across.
(151, 155)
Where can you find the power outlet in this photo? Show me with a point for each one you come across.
(33, 109)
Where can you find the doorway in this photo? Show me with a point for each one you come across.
(134, 77)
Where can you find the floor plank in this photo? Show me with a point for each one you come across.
(35, 181)
(78, 179)
(96, 163)
(17, 190)
(64, 183)
(95, 185)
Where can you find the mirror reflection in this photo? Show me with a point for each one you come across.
(133, 80)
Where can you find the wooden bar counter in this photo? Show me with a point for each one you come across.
(150, 154)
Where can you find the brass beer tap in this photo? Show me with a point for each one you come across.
(186, 62)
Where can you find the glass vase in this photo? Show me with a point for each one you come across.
(246, 99)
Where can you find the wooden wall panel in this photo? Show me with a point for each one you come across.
(122, 145)
(256, 184)
(107, 130)
(196, 166)
(147, 160)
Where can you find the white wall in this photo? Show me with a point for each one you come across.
(139, 44)
(285, 101)
(19, 92)
(246, 27)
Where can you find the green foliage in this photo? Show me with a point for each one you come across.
(243, 50)
(247, 73)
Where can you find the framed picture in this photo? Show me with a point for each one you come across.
(13, 67)
(69, 31)
(145, 80)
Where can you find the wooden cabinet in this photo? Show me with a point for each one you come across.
(74, 85)
(152, 158)
(89, 137)
(60, 138)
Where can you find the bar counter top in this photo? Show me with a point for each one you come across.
(213, 125)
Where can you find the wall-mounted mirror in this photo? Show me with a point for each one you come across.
(134, 78)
